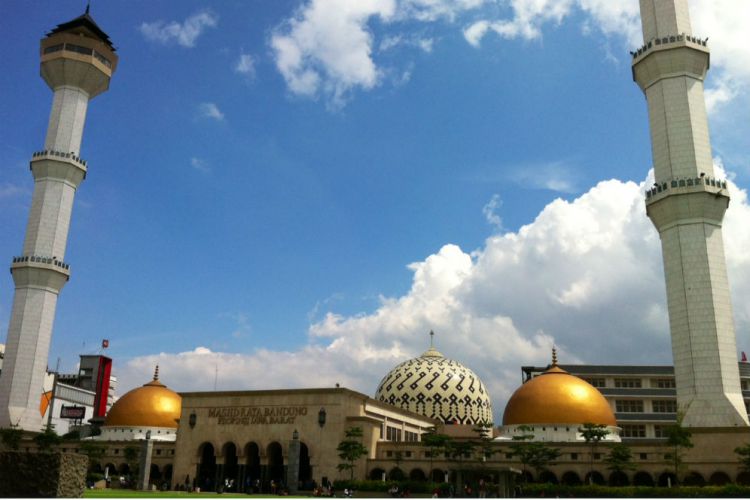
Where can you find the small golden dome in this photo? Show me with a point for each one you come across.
(557, 397)
(152, 405)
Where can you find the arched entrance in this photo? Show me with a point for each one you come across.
(643, 478)
(438, 476)
(694, 479)
(618, 478)
(743, 477)
(230, 470)
(417, 475)
(167, 472)
(252, 468)
(667, 479)
(305, 470)
(206, 479)
(155, 475)
(595, 478)
(571, 478)
(548, 477)
(396, 474)
(719, 478)
(377, 474)
(275, 464)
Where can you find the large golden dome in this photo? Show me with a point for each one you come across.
(152, 405)
(437, 387)
(557, 397)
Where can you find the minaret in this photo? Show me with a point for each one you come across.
(77, 62)
(687, 204)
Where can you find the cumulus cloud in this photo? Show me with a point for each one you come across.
(210, 110)
(185, 33)
(245, 65)
(585, 274)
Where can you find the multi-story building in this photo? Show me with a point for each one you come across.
(643, 398)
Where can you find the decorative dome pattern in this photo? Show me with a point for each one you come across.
(437, 387)
(557, 397)
(152, 405)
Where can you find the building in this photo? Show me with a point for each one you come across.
(643, 398)
(77, 62)
(687, 205)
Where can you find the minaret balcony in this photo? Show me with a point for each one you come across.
(687, 201)
(670, 56)
(57, 164)
(40, 272)
(80, 61)
(685, 185)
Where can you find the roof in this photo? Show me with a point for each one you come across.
(84, 21)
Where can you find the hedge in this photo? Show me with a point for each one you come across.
(596, 491)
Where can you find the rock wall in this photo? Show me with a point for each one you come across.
(24, 474)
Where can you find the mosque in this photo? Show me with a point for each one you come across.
(261, 438)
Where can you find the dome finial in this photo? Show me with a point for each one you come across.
(432, 337)
(554, 356)
(156, 373)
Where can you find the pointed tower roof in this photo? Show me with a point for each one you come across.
(86, 25)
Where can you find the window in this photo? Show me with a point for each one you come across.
(633, 431)
(664, 406)
(389, 453)
(628, 383)
(574, 456)
(411, 436)
(663, 383)
(117, 451)
(597, 456)
(158, 452)
(53, 48)
(596, 382)
(745, 385)
(660, 431)
(393, 434)
(407, 454)
(643, 456)
(81, 50)
(629, 406)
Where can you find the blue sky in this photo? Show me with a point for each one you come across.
(293, 193)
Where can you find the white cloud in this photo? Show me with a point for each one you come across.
(200, 165)
(325, 48)
(185, 33)
(586, 275)
(554, 176)
(490, 212)
(210, 110)
(245, 65)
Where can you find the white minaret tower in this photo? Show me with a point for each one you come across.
(687, 205)
(77, 62)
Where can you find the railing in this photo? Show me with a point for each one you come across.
(665, 40)
(70, 47)
(60, 154)
(42, 260)
(679, 182)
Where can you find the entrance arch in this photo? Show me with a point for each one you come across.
(571, 478)
(438, 476)
(719, 478)
(417, 475)
(619, 478)
(207, 467)
(230, 471)
(595, 477)
(643, 478)
(305, 470)
(667, 478)
(275, 463)
(377, 474)
(548, 477)
(252, 467)
(694, 479)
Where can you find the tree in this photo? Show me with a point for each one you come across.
(94, 451)
(744, 456)
(132, 456)
(47, 439)
(679, 441)
(484, 443)
(592, 434)
(350, 450)
(435, 443)
(11, 437)
(620, 459)
(530, 453)
(460, 450)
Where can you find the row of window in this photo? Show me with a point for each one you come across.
(632, 383)
(639, 431)
(636, 406)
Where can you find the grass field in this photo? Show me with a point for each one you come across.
(117, 493)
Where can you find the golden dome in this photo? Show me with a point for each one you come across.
(152, 405)
(557, 397)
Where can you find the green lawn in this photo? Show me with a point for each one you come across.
(117, 493)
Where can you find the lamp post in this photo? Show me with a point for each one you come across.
(321, 424)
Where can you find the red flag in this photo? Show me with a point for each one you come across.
(105, 343)
(744, 357)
